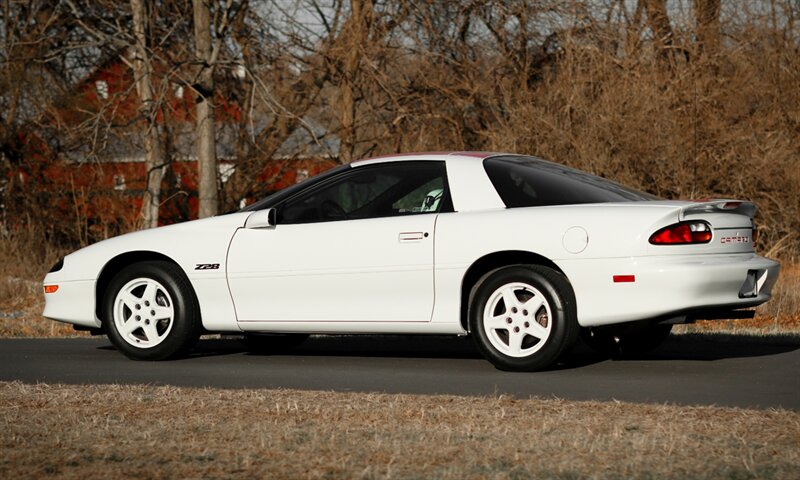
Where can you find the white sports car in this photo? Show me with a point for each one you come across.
(521, 253)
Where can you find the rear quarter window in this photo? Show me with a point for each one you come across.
(532, 182)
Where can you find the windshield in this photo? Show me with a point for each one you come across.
(272, 200)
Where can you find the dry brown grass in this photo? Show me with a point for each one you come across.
(169, 432)
(25, 260)
(785, 303)
(704, 129)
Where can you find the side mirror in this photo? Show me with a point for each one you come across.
(261, 219)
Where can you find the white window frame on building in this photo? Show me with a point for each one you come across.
(102, 89)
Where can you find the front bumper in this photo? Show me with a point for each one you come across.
(73, 302)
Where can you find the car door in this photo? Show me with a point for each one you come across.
(357, 247)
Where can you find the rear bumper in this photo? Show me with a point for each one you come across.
(667, 286)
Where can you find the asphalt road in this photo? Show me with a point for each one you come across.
(690, 370)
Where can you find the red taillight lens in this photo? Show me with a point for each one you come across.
(683, 233)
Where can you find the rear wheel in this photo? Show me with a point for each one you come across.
(523, 317)
(150, 311)
(626, 342)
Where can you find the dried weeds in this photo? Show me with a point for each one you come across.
(157, 432)
(25, 260)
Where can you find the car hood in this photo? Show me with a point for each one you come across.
(200, 241)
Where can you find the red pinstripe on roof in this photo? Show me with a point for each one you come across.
(476, 154)
(445, 152)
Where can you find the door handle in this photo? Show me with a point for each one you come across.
(411, 236)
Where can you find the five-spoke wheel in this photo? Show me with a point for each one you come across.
(150, 311)
(143, 312)
(523, 317)
(516, 319)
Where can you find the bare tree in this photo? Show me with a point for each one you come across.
(599, 85)
(351, 43)
(663, 35)
(707, 14)
(206, 147)
(154, 159)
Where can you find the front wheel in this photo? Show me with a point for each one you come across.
(150, 311)
(523, 317)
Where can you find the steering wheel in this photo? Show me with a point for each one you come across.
(330, 210)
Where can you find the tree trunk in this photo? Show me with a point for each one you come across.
(706, 14)
(353, 43)
(658, 21)
(153, 157)
(206, 149)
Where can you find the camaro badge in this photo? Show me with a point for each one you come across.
(735, 239)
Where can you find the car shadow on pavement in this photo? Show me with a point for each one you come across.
(702, 347)
(686, 347)
(377, 346)
(384, 346)
(718, 346)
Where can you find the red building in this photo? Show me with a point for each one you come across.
(101, 182)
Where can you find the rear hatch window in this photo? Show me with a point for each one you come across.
(523, 181)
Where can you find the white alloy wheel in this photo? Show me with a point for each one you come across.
(517, 319)
(143, 312)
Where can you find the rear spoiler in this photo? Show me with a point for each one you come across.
(739, 207)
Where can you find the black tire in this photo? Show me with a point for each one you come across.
(562, 319)
(175, 292)
(626, 342)
(273, 342)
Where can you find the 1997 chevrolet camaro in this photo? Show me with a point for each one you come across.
(520, 253)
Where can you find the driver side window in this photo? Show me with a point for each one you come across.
(397, 188)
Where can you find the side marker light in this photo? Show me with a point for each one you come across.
(624, 278)
(50, 288)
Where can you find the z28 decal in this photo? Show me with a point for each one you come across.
(207, 266)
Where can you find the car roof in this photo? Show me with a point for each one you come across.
(445, 155)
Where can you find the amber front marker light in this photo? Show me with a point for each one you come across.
(50, 288)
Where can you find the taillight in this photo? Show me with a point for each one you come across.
(684, 233)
